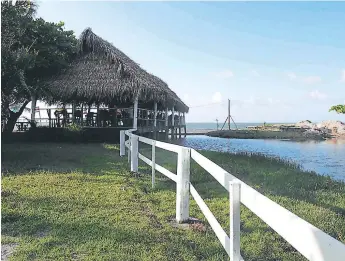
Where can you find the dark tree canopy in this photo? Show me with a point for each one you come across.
(32, 50)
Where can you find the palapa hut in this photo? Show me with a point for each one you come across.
(103, 75)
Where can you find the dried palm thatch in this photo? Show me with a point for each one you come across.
(103, 74)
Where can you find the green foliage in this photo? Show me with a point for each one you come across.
(31, 50)
(73, 133)
(73, 127)
(338, 108)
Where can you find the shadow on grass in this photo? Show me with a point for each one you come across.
(30, 158)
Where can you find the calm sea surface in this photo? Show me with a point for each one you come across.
(323, 157)
(194, 126)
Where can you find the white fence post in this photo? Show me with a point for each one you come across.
(153, 159)
(129, 149)
(134, 153)
(182, 185)
(122, 143)
(235, 203)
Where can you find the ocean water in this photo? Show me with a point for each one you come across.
(195, 126)
(323, 157)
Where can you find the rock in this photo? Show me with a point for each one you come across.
(337, 127)
(306, 124)
(7, 250)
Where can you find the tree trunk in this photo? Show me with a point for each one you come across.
(13, 117)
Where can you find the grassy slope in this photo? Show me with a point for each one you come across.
(80, 202)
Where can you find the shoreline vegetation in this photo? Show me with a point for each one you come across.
(64, 201)
(301, 131)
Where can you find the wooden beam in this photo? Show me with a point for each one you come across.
(33, 107)
(135, 113)
(155, 114)
(166, 117)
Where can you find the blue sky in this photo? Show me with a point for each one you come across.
(277, 62)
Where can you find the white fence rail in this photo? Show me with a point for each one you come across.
(311, 242)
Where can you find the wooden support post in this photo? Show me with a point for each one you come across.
(82, 115)
(155, 115)
(50, 117)
(134, 153)
(135, 113)
(73, 112)
(98, 123)
(147, 118)
(179, 124)
(33, 108)
(155, 121)
(166, 123)
(182, 185)
(235, 204)
(173, 123)
(153, 159)
(122, 143)
(184, 124)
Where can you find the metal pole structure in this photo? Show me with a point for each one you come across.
(229, 113)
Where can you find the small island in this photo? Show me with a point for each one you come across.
(304, 130)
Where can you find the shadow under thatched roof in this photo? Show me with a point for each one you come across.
(101, 73)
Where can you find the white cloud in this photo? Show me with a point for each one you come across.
(217, 97)
(292, 76)
(312, 79)
(317, 95)
(224, 74)
(255, 73)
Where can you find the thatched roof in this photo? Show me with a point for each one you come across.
(101, 73)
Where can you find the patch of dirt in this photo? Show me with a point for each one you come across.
(7, 250)
(192, 223)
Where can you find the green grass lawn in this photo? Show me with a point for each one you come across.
(80, 202)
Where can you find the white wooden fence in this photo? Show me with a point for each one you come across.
(308, 240)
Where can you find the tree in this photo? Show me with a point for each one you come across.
(338, 108)
(14, 57)
(34, 50)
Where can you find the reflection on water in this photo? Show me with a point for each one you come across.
(323, 157)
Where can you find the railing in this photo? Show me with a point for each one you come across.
(311, 242)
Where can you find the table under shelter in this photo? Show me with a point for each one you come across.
(104, 88)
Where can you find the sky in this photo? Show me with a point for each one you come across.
(275, 61)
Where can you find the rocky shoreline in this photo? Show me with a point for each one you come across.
(304, 130)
